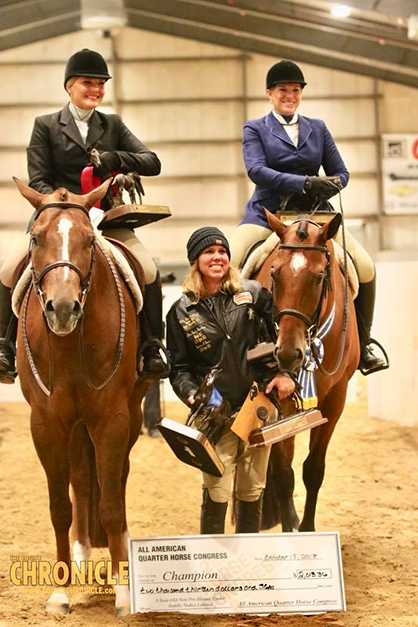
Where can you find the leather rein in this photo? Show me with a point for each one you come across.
(85, 282)
(312, 324)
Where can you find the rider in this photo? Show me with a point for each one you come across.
(213, 323)
(58, 151)
(283, 153)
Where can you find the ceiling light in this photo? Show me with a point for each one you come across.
(340, 10)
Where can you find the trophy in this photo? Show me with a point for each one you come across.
(193, 443)
(268, 431)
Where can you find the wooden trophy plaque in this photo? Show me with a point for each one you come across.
(286, 428)
(191, 447)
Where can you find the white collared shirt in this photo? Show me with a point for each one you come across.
(81, 118)
(291, 128)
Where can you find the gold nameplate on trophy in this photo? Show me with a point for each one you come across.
(286, 428)
(133, 216)
(191, 447)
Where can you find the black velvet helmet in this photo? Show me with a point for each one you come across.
(284, 72)
(86, 63)
(202, 238)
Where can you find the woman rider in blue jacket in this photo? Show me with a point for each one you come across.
(283, 152)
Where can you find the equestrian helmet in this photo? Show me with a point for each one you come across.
(86, 63)
(202, 238)
(284, 72)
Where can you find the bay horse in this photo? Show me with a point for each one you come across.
(307, 285)
(76, 358)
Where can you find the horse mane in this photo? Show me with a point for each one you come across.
(302, 230)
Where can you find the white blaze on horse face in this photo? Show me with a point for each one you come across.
(64, 227)
(298, 262)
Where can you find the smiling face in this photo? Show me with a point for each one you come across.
(87, 93)
(213, 264)
(285, 97)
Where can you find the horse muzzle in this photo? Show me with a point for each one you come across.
(62, 315)
(289, 358)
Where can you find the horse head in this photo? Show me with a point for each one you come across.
(62, 252)
(300, 279)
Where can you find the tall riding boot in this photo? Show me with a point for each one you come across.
(364, 304)
(248, 516)
(154, 364)
(7, 337)
(212, 515)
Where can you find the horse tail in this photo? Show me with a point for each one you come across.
(270, 515)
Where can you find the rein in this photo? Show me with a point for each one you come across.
(85, 282)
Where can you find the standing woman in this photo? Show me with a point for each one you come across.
(283, 153)
(58, 151)
(213, 323)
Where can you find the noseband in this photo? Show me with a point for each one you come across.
(85, 281)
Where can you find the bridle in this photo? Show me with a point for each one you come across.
(312, 324)
(85, 283)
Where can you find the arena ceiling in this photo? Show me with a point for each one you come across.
(379, 38)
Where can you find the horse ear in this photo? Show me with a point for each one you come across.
(330, 228)
(35, 198)
(90, 199)
(275, 223)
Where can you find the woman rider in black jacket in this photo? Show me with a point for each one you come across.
(58, 151)
(214, 323)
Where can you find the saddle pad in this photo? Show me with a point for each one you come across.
(258, 257)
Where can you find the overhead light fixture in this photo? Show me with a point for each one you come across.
(341, 10)
(413, 27)
(102, 14)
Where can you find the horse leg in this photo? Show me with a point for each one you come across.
(278, 503)
(51, 443)
(80, 478)
(285, 485)
(111, 440)
(314, 465)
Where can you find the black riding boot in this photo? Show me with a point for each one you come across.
(364, 304)
(212, 515)
(248, 516)
(154, 364)
(7, 337)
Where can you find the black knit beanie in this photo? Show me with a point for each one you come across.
(202, 238)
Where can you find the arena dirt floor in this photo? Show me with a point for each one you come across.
(369, 495)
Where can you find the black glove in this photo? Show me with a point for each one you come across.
(109, 161)
(322, 187)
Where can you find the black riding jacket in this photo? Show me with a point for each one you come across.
(218, 329)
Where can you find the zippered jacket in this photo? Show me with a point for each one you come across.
(217, 330)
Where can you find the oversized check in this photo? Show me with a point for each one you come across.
(284, 573)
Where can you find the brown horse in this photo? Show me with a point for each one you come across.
(76, 358)
(308, 289)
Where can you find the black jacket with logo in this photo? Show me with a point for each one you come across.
(218, 329)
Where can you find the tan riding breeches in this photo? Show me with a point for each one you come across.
(247, 234)
(128, 237)
(251, 468)
(122, 235)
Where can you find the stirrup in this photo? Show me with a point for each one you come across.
(142, 372)
(9, 355)
(384, 366)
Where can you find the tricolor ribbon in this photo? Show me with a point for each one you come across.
(307, 377)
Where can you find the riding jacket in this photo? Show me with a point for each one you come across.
(279, 168)
(57, 154)
(217, 330)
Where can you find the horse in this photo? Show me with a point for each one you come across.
(308, 288)
(76, 358)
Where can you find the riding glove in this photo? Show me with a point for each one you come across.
(321, 186)
(109, 161)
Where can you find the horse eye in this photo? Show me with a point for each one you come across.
(319, 278)
(34, 240)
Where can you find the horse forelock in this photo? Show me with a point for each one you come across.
(302, 230)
